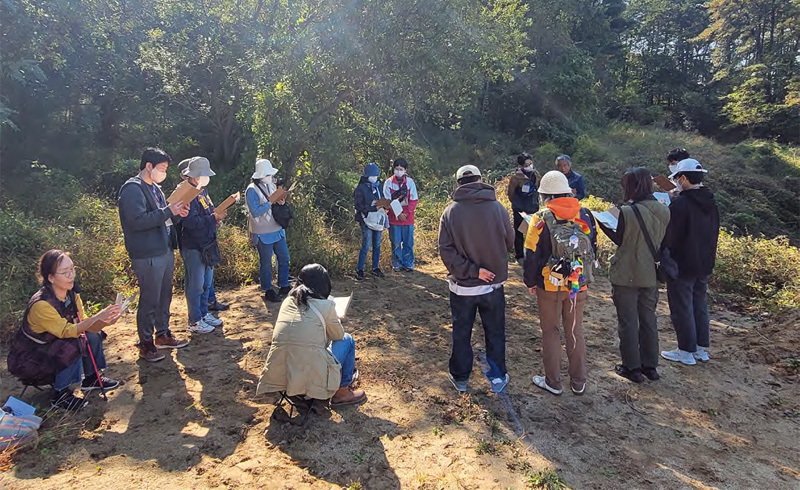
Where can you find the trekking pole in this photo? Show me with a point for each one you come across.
(94, 364)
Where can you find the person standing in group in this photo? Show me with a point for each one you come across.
(675, 156)
(371, 218)
(150, 239)
(561, 248)
(691, 239)
(522, 194)
(401, 227)
(564, 165)
(633, 275)
(267, 235)
(475, 238)
(199, 247)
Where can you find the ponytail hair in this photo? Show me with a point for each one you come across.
(312, 282)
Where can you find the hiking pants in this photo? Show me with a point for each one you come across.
(636, 325)
(551, 304)
(155, 294)
(688, 310)
(519, 238)
(492, 308)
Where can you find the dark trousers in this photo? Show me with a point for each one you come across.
(636, 325)
(155, 294)
(492, 308)
(519, 238)
(688, 310)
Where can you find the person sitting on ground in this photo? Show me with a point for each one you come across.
(564, 165)
(549, 252)
(48, 347)
(634, 285)
(691, 239)
(523, 198)
(311, 354)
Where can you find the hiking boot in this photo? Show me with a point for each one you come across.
(65, 400)
(460, 386)
(701, 354)
(212, 320)
(167, 341)
(634, 375)
(284, 291)
(148, 352)
(200, 327)
(680, 356)
(499, 384)
(272, 297)
(360, 276)
(90, 384)
(217, 306)
(378, 273)
(347, 396)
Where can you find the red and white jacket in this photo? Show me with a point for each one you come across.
(409, 203)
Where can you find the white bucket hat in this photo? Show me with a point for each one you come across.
(688, 165)
(264, 168)
(554, 183)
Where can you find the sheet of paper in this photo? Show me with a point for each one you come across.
(526, 222)
(607, 219)
(342, 304)
(185, 193)
(662, 197)
(397, 208)
(663, 183)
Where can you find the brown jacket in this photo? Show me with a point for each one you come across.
(299, 362)
(475, 232)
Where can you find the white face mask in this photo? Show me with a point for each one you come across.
(157, 175)
(372, 179)
(529, 168)
(267, 179)
(399, 173)
(203, 180)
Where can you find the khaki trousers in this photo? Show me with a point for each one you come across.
(551, 304)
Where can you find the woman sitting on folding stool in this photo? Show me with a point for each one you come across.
(50, 345)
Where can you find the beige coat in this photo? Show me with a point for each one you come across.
(299, 361)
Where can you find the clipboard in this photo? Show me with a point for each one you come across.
(224, 205)
(280, 193)
(185, 193)
(663, 183)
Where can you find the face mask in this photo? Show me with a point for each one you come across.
(672, 168)
(267, 179)
(158, 176)
(529, 168)
(399, 173)
(372, 179)
(203, 180)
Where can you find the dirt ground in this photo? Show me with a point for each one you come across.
(192, 421)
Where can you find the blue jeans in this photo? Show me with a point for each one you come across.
(345, 352)
(492, 308)
(369, 237)
(265, 251)
(198, 277)
(74, 372)
(402, 237)
(212, 291)
(688, 310)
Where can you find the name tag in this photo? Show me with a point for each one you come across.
(526, 188)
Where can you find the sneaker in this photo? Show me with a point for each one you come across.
(65, 400)
(91, 384)
(169, 342)
(408, 269)
(199, 327)
(397, 269)
(272, 296)
(634, 375)
(378, 273)
(460, 386)
(578, 391)
(217, 306)
(701, 354)
(651, 374)
(541, 382)
(149, 352)
(360, 276)
(212, 320)
(499, 384)
(680, 356)
(284, 291)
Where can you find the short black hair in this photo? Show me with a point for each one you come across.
(545, 197)
(522, 158)
(401, 162)
(677, 154)
(154, 156)
(694, 178)
(468, 179)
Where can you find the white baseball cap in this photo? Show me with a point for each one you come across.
(264, 168)
(467, 170)
(687, 165)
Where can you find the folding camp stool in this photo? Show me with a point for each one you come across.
(33, 384)
(296, 404)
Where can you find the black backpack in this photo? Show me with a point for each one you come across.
(282, 214)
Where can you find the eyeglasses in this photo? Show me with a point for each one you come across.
(67, 273)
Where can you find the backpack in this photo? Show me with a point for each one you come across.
(282, 214)
(570, 245)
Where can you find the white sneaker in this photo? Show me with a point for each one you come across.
(212, 320)
(200, 327)
(680, 356)
(701, 354)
